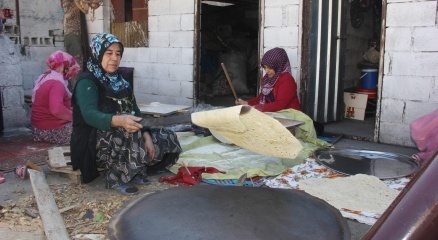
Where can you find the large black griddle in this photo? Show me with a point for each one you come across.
(216, 212)
(383, 165)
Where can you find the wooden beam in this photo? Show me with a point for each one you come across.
(53, 222)
(56, 157)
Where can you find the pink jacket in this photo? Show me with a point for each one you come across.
(51, 108)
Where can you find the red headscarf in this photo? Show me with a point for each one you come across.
(54, 62)
(276, 59)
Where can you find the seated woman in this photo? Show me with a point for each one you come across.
(278, 89)
(106, 129)
(51, 115)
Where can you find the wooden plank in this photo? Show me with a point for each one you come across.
(53, 223)
(68, 170)
(56, 157)
(74, 176)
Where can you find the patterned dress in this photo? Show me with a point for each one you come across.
(122, 154)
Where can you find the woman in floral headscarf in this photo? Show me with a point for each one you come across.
(51, 100)
(278, 89)
(106, 129)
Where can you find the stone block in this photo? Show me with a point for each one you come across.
(407, 88)
(411, 14)
(15, 117)
(188, 22)
(180, 72)
(159, 39)
(394, 133)
(169, 23)
(281, 37)
(10, 75)
(392, 110)
(153, 23)
(292, 15)
(12, 96)
(414, 64)
(169, 88)
(425, 39)
(159, 71)
(434, 93)
(187, 55)
(168, 55)
(182, 39)
(182, 6)
(187, 89)
(398, 39)
(273, 17)
(145, 86)
(158, 7)
(415, 110)
(270, 3)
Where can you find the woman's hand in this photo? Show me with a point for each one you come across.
(149, 145)
(128, 122)
(241, 102)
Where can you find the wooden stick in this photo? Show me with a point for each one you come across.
(229, 80)
(31, 165)
(53, 222)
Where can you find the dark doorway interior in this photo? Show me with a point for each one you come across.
(358, 42)
(228, 34)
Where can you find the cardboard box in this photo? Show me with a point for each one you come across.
(355, 105)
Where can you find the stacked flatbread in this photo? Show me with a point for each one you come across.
(360, 192)
(250, 129)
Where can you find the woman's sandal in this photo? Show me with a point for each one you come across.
(126, 189)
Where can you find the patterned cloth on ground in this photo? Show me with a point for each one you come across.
(311, 169)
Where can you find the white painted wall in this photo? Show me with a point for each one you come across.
(163, 71)
(282, 29)
(410, 81)
(37, 17)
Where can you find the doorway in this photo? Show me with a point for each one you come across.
(229, 34)
(341, 46)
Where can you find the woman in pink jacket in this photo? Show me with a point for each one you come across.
(51, 100)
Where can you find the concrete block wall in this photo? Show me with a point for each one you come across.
(11, 86)
(282, 28)
(410, 81)
(36, 19)
(163, 71)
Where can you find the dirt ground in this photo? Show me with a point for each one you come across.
(86, 209)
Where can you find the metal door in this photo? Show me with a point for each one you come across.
(323, 98)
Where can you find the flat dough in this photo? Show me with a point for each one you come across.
(250, 129)
(358, 193)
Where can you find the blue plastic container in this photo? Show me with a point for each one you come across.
(368, 79)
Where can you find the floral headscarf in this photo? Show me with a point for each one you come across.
(100, 43)
(57, 60)
(276, 59)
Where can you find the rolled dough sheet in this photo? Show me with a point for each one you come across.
(360, 192)
(250, 129)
